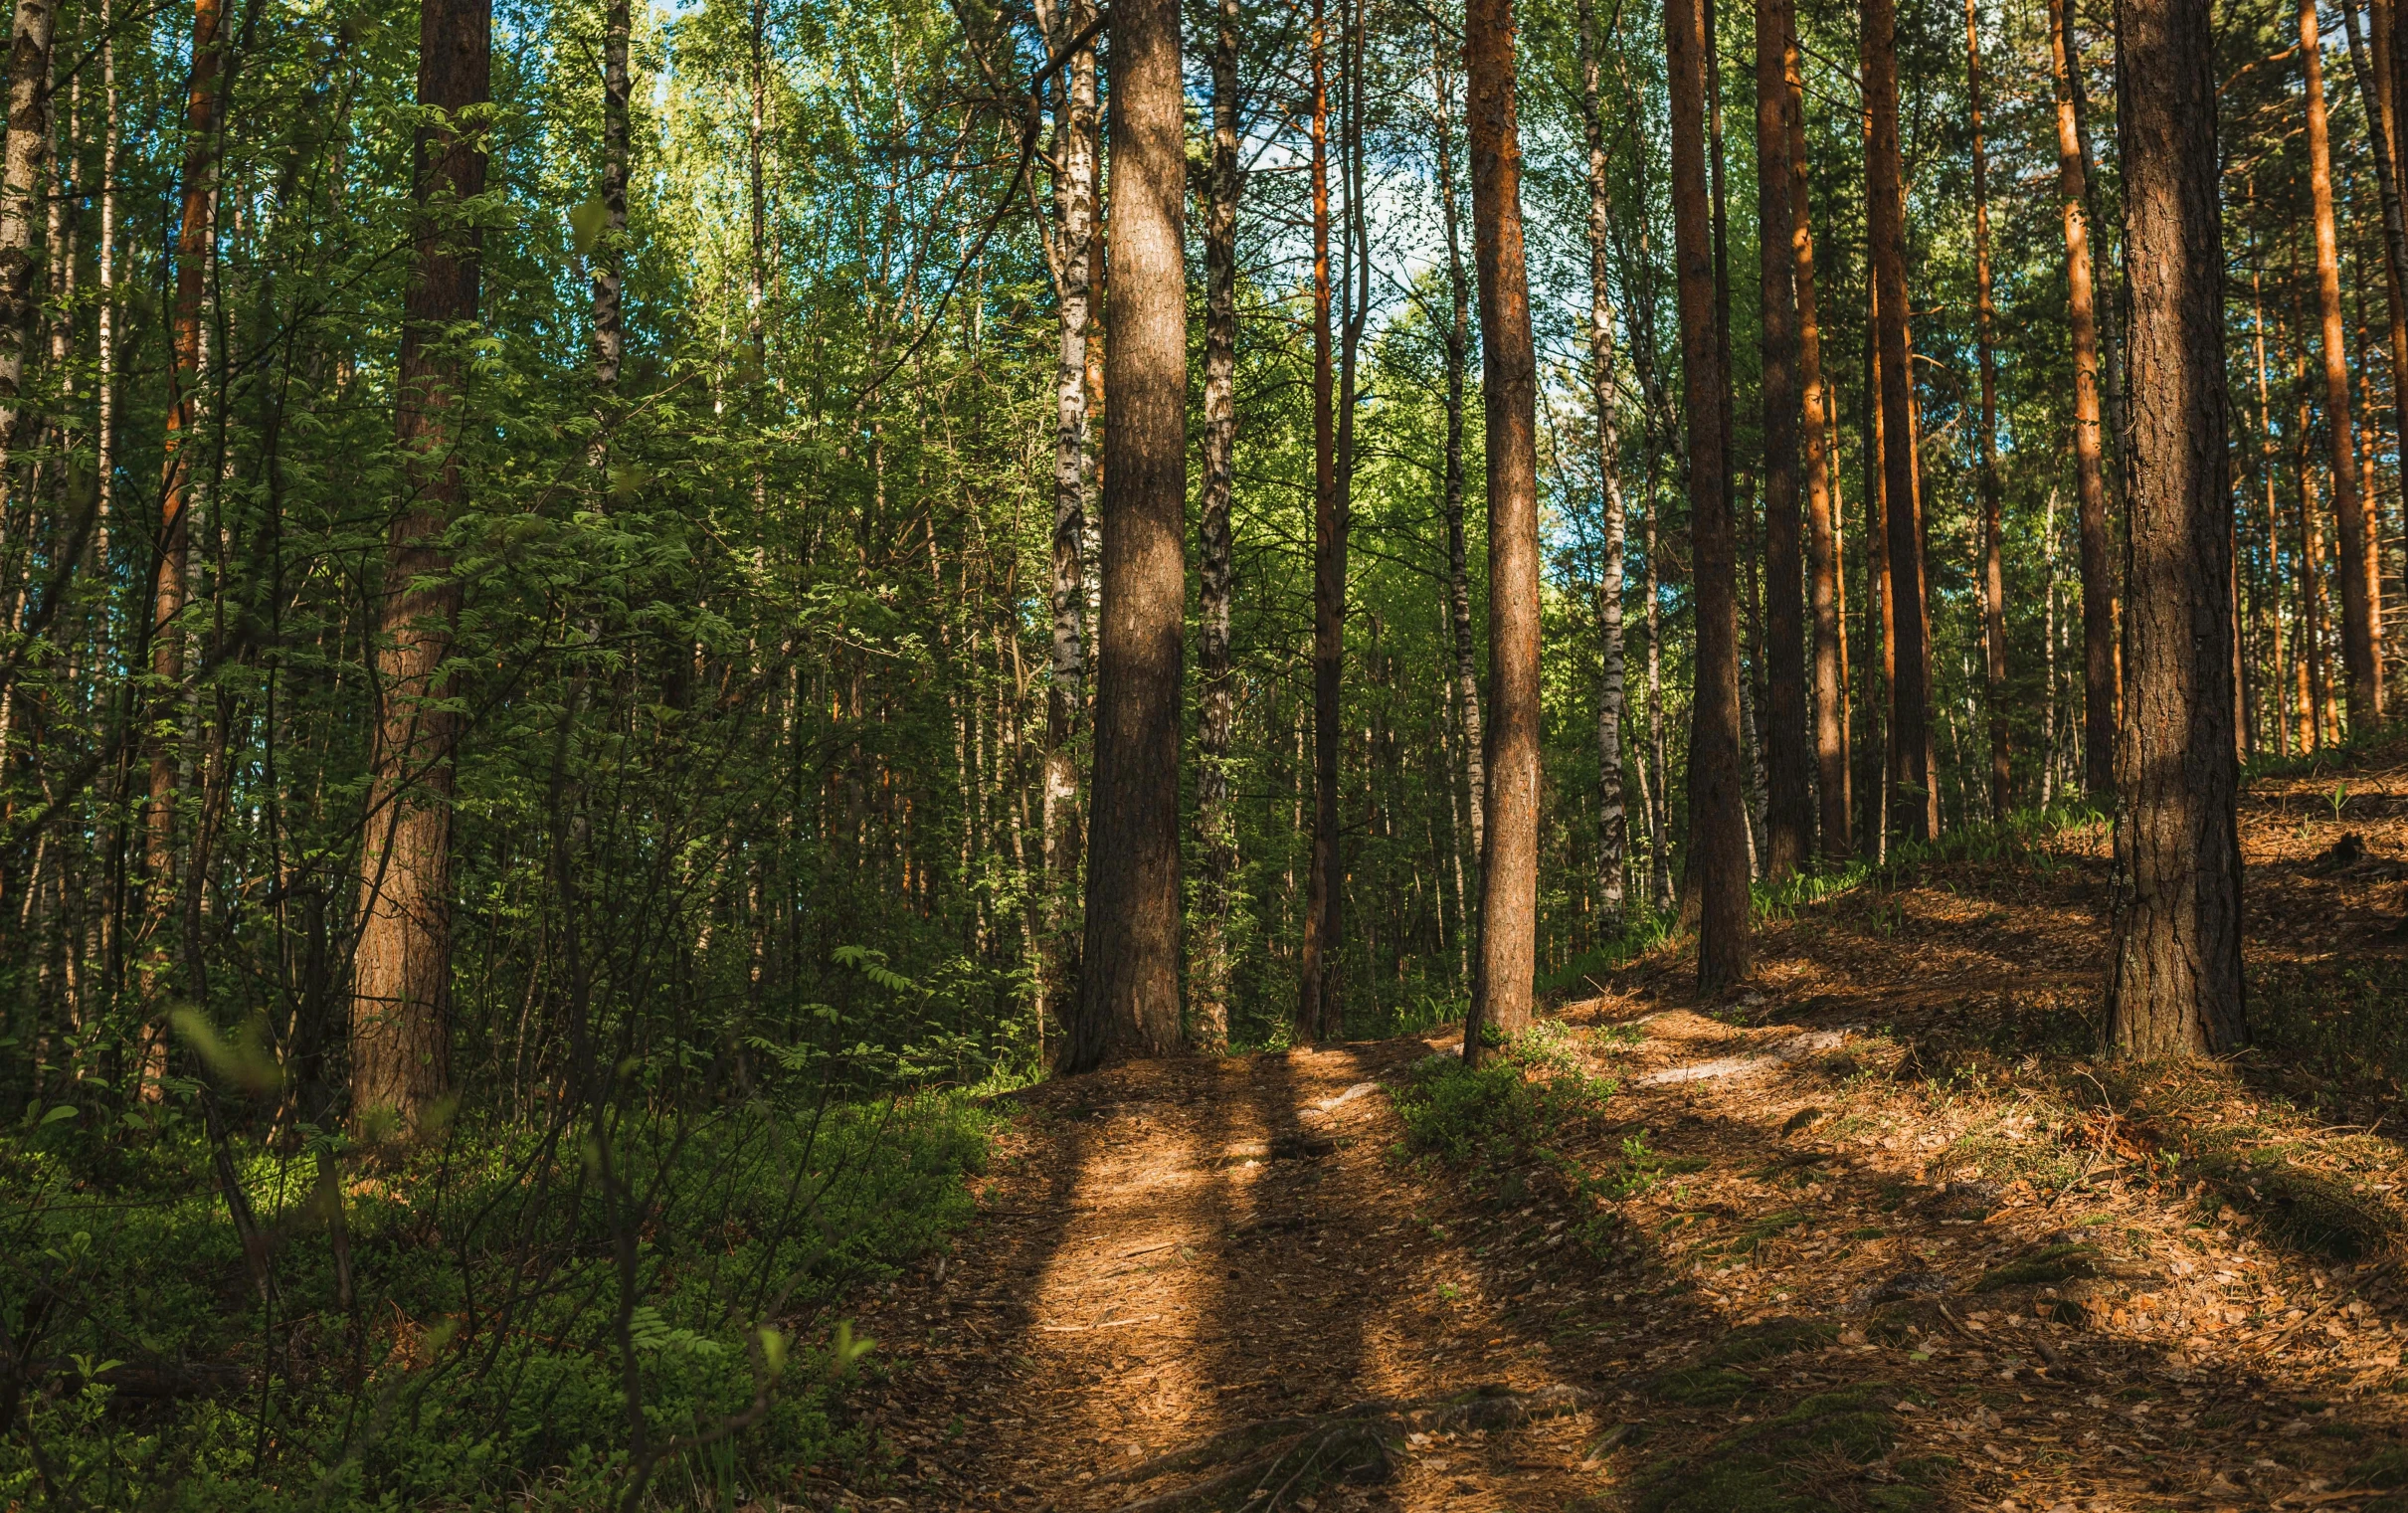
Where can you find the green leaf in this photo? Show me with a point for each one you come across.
(61, 1111)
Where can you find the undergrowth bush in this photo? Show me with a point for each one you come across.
(511, 1334)
(1525, 1097)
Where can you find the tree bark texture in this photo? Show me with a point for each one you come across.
(24, 199)
(1789, 805)
(609, 256)
(1612, 823)
(2362, 615)
(1129, 996)
(1718, 798)
(1823, 579)
(2376, 96)
(1074, 244)
(2099, 691)
(1216, 822)
(2176, 986)
(1504, 977)
(1458, 584)
(1993, 549)
(1322, 902)
(1885, 206)
(400, 1035)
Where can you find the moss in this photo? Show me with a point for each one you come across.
(1702, 1386)
(1773, 1336)
(2049, 1264)
(1787, 1464)
(2384, 1469)
(2302, 1209)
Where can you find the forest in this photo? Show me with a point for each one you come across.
(629, 632)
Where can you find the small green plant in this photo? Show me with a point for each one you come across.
(2338, 797)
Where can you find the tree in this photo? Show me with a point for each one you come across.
(1069, 255)
(1717, 796)
(1129, 974)
(23, 194)
(1216, 824)
(400, 1035)
(1505, 974)
(2175, 987)
(2099, 691)
(1911, 779)
(1613, 531)
(2362, 609)
(1466, 681)
(1789, 811)
(1826, 584)
(1323, 895)
(1994, 545)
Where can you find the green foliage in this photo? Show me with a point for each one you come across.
(1507, 1110)
(486, 1351)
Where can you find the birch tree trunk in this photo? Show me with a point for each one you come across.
(1459, 356)
(1611, 824)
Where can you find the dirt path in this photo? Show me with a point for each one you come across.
(1798, 1285)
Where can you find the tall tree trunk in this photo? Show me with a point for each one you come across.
(1459, 356)
(24, 210)
(1073, 247)
(1790, 807)
(1993, 570)
(2315, 686)
(174, 538)
(1717, 816)
(2099, 691)
(1509, 868)
(1216, 822)
(1825, 591)
(2376, 94)
(1885, 204)
(1321, 911)
(2267, 469)
(1129, 979)
(1879, 760)
(2361, 611)
(2177, 986)
(105, 439)
(400, 1038)
(1611, 826)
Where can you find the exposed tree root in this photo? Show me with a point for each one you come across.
(1276, 1461)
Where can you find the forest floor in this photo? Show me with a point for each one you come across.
(1878, 1231)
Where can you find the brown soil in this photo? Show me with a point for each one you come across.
(1169, 1250)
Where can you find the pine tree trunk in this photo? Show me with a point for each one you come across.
(2361, 611)
(1509, 869)
(2176, 985)
(1613, 826)
(1885, 204)
(2099, 691)
(1789, 805)
(1321, 911)
(105, 437)
(1458, 355)
(400, 1038)
(1215, 823)
(1826, 585)
(2313, 684)
(1880, 756)
(2375, 96)
(1993, 552)
(1717, 816)
(1129, 995)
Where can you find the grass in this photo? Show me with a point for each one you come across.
(494, 1351)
